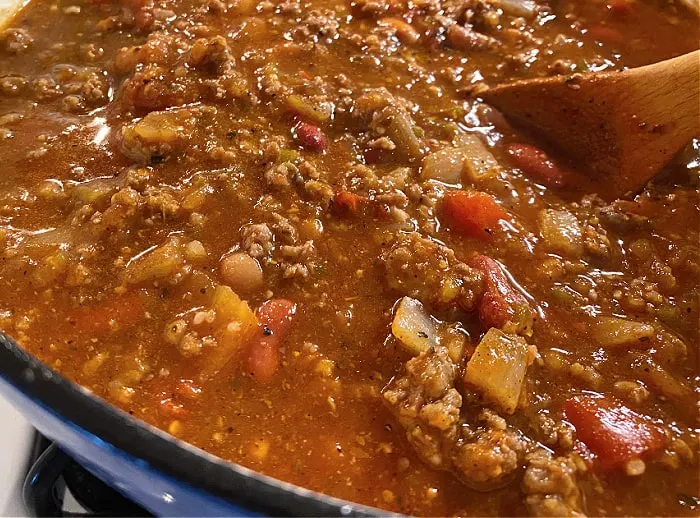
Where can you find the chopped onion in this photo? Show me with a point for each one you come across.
(445, 165)
(561, 232)
(471, 157)
(413, 327)
(315, 112)
(401, 129)
(525, 8)
(497, 368)
(479, 162)
(612, 331)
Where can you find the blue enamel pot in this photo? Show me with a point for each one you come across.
(162, 474)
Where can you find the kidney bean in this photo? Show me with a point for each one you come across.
(537, 165)
(310, 137)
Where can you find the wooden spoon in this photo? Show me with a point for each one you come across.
(621, 126)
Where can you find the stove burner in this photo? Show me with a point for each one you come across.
(54, 477)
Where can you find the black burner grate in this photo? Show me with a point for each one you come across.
(54, 478)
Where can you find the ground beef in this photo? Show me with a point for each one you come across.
(257, 240)
(550, 485)
(297, 260)
(487, 457)
(14, 40)
(429, 271)
(427, 405)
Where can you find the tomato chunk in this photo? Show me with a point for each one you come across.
(501, 301)
(275, 318)
(615, 433)
(473, 213)
(345, 202)
(621, 8)
(116, 314)
(536, 164)
(605, 34)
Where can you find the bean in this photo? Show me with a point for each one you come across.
(241, 272)
(310, 137)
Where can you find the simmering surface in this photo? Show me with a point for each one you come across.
(289, 233)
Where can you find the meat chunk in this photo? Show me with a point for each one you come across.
(14, 40)
(427, 405)
(488, 457)
(210, 54)
(297, 260)
(550, 485)
(428, 271)
(257, 240)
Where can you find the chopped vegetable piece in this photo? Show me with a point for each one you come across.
(345, 202)
(479, 163)
(230, 308)
(404, 31)
(100, 319)
(275, 321)
(234, 325)
(310, 137)
(473, 213)
(96, 190)
(537, 165)
(664, 382)
(621, 8)
(317, 113)
(413, 327)
(605, 34)
(561, 232)
(501, 302)
(471, 158)
(159, 263)
(612, 331)
(445, 165)
(497, 368)
(524, 8)
(615, 433)
(402, 130)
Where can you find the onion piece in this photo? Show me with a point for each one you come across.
(497, 368)
(445, 165)
(561, 232)
(479, 163)
(413, 327)
(401, 129)
(471, 158)
(525, 8)
(613, 331)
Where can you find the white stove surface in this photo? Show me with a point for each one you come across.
(15, 442)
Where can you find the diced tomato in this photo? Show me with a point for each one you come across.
(615, 433)
(621, 8)
(473, 213)
(100, 319)
(501, 301)
(605, 34)
(310, 137)
(275, 321)
(187, 389)
(345, 202)
(170, 407)
(536, 164)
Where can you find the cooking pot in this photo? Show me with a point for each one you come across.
(164, 475)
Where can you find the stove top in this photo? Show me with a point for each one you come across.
(16, 437)
(41, 480)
